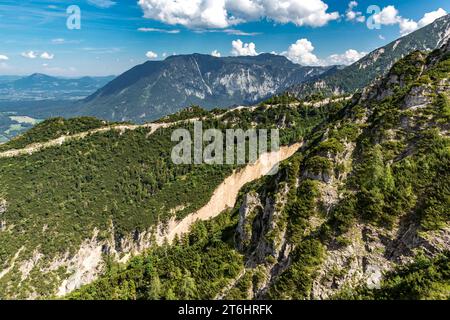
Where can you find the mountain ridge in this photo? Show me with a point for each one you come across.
(39, 86)
(157, 88)
(366, 192)
(376, 63)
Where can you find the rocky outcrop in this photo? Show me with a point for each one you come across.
(3, 207)
(84, 267)
(250, 209)
(418, 97)
(362, 261)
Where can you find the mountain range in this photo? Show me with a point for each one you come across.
(357, 210)
(43, 87)
(158, 88)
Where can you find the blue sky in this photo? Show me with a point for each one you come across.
(116, 35)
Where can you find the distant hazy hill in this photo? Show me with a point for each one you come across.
(43, 87)
(6, 79)
(377, 63)
(158, 88)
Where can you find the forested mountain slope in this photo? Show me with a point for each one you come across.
(361, 211)
(366, 194)
(70, 207)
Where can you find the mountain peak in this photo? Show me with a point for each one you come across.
(158, 88)
(40, 76)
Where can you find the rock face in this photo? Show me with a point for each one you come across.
(249, 210)
(157, 88)
(2, 206)
(2, 211)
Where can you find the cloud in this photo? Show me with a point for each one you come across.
(47, 56)
(352, 4)
(104, 4)
(349, 57)
(390, 16)
(3, 57)
(243, 49)
(234, 32)
(226, 13)
(29, 55)
(58, 41)
(430, 17)
(151, 55)
(216, 54)
(387, 16)
(33, 55)
(175, 31)
(301, 52)
(407, 25)
(352, 15)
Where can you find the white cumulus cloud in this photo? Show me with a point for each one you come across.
(3, 57)
(216, 53)
(348, 57)
(390, 16)
(430, 17)
(151, 55)
(47, 56)
(408, 25)
(301, 52)
(353, 15)
(243, 49)
(29, 54)
(226, 13)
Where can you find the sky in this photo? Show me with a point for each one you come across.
(107, 37)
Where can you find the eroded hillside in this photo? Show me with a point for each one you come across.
(360, 211)
(81, 195)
